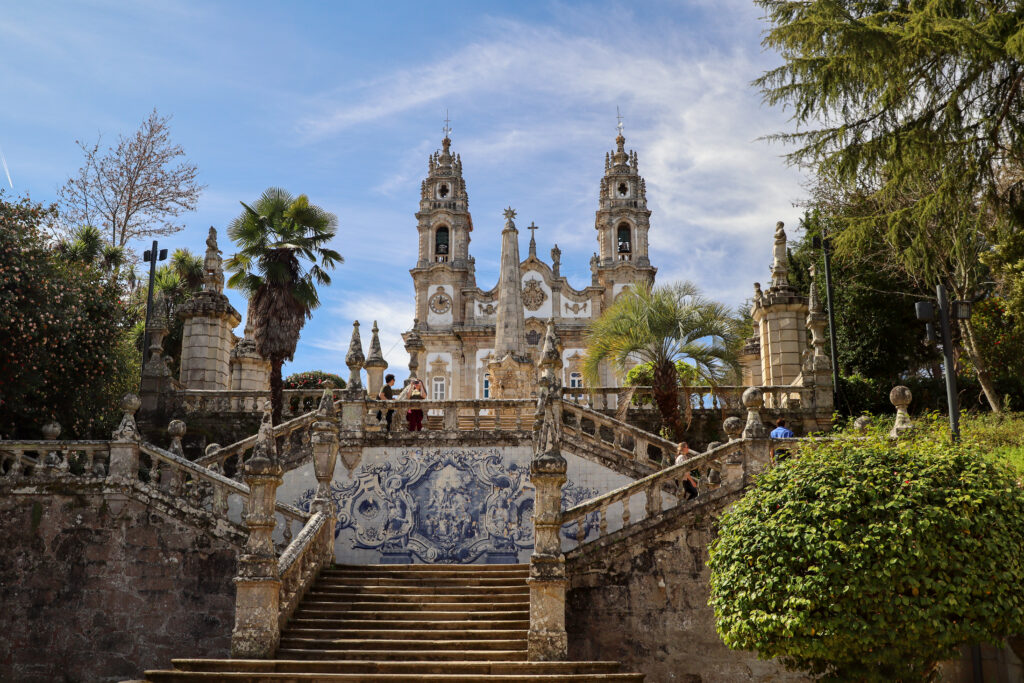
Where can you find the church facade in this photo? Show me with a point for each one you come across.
(461, 331)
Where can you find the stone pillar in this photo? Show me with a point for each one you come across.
(209, 318)
(817, 367)
(757, 447)
(415, 347)
(353, 411)
(732, 468)
(124, 444)
(156, 375)
(375, 365)
(325, 457)
(901, 397)
(249, 370)
(547, 640)
(258, 584)
(779, 316)
(750, 362)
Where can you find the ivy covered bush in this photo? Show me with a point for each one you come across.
(869, 560)
(64, 349)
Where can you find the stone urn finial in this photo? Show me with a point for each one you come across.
(51, 430)
(753, 400)
(901, 397)
(354, 359)
(176, 430)
(733, 427)
(128, 430)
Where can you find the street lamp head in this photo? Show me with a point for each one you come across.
(962, 310)
(925, 311)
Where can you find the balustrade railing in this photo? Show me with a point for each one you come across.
(211, 491)
(229, 459)
(301, 561)
(626, 441)
(720, 398)
(36, 458)
(233, 401)
(490, 414)
(663, 489)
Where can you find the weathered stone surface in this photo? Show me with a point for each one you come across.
(644, 601)
(88, 595)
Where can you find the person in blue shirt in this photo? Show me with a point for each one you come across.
(781, 431)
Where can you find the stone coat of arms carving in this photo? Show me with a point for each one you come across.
(533, 295)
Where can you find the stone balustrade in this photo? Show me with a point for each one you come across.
(296, 402)
(659, 490)
(40, 458)
(490, 414)
(301, 561)
(628, 443)
(724, 397)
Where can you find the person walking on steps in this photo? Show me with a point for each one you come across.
(414, 416)
(689, 485)
(386, 393)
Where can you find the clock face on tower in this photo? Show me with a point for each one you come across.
(623, 190)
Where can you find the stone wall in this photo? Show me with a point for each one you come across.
(644, 601)
(90, 595)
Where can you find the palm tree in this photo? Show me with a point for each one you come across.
(661, 326)
(86, 245)
(274, 236)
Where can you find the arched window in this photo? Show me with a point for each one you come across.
(625, 242)
(441, 245)
(438, 393)
(487, 385)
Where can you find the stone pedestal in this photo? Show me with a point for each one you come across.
(547, 640)
(249, 370)
(258, 584)
(512, 377)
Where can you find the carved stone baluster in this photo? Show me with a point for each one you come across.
(287, 531)
(220, 499)
(640, 449)
(476, 416)
(654, 499)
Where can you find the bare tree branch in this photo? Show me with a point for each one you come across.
(134, 189)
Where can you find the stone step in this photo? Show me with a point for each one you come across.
(451, 568)
(399, 583)
(328, 589)
(465, 655)
(416, 606)
(234, 677)
(404, 633)
(365, 614)
(289, 642)
(409, 624)
(357, 666)
(317, 595)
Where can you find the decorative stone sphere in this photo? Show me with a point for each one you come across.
(130, 403)
(861, 424)
(733, 426)
(176, 429)
(900, 397)
(752, 398)
(51, 430)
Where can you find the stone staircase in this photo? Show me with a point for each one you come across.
(405, 623)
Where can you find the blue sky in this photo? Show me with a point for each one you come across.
(345, 101)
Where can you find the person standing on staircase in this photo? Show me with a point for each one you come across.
(689, 485)
(387, 394)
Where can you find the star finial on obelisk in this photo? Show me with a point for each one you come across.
(510, 213)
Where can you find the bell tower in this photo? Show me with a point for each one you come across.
(444, 266)
(622, 223)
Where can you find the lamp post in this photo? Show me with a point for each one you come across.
(957, 310)
(825, 244)
(150, 256)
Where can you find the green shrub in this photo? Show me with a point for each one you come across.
(312, 379)
(871, 560)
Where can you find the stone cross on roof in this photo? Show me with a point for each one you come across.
(533, 241)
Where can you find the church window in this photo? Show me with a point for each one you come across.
(442, 191)
(623, 190)
(533, 337)
(625, 242)
(438, 393)
(575, 380)
(487, 385)
(441, 245)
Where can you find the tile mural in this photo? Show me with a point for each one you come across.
(444, 505)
